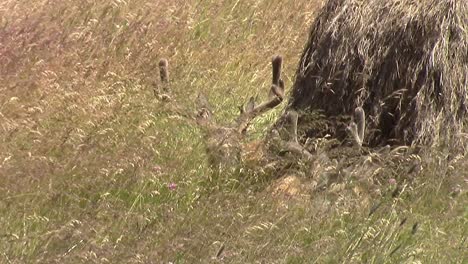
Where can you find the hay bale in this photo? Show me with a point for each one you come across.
(404, 61)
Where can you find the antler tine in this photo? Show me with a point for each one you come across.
(277, 63)
(275, 96)
(360, 117)
(358, 130)
(293, 118)
(293, 144)
(277, 84)
(164, 72)
(352, 128)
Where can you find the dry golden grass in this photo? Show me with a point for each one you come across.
(95, 169)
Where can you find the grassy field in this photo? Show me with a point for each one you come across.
(95, 169)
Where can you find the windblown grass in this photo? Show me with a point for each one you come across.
(95, 169)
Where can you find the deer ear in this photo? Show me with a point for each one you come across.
(249, 107)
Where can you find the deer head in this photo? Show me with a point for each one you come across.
(224, 142)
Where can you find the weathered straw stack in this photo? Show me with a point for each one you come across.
(405, 62)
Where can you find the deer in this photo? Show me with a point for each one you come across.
(224, 144)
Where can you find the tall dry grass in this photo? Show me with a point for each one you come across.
(95, 169)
